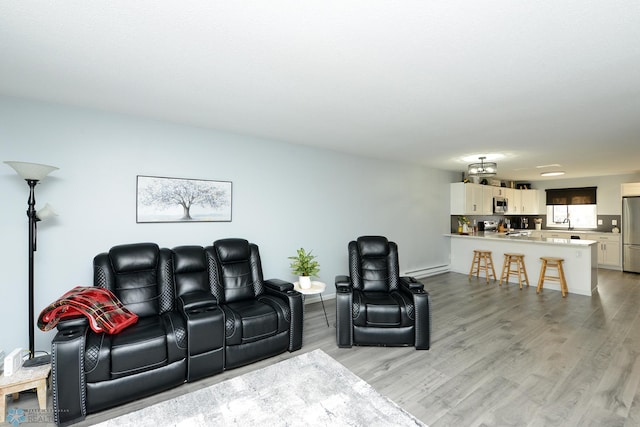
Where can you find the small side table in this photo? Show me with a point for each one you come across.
(25, 379)
(317, 288)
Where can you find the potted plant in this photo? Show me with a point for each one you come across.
(305, 266)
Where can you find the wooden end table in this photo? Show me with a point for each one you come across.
(25, 379)
(317, 288)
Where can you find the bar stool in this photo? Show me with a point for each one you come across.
(552, 262)
(509, 260)
(482, 261)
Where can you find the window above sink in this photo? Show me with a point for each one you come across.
(572, 216)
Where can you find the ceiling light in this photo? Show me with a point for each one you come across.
(483, 168)
(556, 173)
(492, 157)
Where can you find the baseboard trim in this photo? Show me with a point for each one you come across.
(428, 271)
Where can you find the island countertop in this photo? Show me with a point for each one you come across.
(525, 237)
(580, 257)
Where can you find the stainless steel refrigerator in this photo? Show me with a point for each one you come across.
(631, 234)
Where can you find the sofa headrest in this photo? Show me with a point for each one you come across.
(134, 257)
(188, 259)
(232, 250)
(373, 246)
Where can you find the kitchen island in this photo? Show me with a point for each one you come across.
(580, 257)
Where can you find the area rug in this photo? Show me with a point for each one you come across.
(307, 390)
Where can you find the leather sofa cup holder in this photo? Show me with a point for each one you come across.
(201, 310)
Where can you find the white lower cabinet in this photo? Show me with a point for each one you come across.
(609, 249)
(609, 245)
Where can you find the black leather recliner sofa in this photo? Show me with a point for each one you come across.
(375, 305)
(260, 314)
(201, 310)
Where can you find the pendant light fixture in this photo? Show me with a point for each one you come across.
(483, 168)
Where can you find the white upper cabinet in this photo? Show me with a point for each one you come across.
(630, 189)
(500, 191)
(514, 203)
(487, 200)
(530, 202)
(471, 199)
(477, 199)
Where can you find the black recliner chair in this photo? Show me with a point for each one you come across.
(96, 371)
(374, 305)
(262, 317)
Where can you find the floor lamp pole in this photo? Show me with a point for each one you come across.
(31, 213)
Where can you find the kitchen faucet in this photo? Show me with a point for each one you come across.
(568, 220)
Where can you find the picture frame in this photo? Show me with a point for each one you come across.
(165, 199)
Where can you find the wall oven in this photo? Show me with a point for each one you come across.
(500, 205)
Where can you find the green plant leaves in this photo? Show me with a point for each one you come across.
(304, 263)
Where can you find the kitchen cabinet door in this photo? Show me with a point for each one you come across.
(609, 249)
(515, 202)
(530, 200)
(466, 198)
(500, 191)
(554, 235)
(630, 189)
(487, 200)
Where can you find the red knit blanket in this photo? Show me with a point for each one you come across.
(104, 311)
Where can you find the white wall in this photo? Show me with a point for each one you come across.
(284, 197)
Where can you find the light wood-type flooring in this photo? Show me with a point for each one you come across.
(500, 356)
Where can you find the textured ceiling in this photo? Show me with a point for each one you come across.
(541, 82)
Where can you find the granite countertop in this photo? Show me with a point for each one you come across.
(524, 236)
(550, 230)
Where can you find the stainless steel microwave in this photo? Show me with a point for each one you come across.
(500, 204)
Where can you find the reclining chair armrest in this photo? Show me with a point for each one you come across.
(344, 314)
(196, 300)
(279, 285)
(343, 283)
(422, 306)
(174, 323)
(204, 322)
(72, 323)
(411, 283)
(67, 371)
(285, 290)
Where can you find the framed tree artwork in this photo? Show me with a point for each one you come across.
(161, 199)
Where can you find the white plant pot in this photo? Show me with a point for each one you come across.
(305, 281)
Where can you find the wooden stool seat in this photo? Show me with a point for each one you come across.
(519, 269)
(482, 261)
(552, 262)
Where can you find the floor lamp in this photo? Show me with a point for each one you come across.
(33, 173)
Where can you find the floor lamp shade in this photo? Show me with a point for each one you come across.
(46, 213)
(32, 171)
